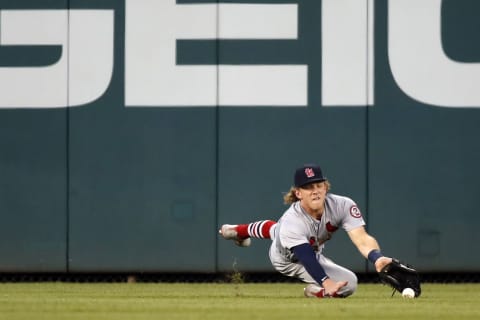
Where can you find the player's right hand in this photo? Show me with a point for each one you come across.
(332, 287)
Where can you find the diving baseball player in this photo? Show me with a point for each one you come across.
(299, 236)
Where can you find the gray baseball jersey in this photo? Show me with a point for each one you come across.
(296, 226)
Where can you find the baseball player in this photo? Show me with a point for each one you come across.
(299, 236)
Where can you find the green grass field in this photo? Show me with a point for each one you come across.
(225, 301)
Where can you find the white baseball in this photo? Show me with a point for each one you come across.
(408, 293)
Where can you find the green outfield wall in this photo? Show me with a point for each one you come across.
(131, 130)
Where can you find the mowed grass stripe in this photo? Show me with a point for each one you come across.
(228, 302)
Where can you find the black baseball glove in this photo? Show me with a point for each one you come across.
(400, 276)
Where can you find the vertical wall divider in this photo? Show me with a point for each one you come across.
(217, 138)
(67, 134)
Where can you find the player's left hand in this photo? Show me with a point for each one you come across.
(382, 262)
(400, 276)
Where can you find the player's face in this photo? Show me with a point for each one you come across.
(312, 197)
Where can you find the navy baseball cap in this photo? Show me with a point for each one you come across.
(307, 174)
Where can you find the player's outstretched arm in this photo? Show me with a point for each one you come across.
(368, 247)
(391, 271)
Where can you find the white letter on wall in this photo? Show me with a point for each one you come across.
(418, 62)
(261, 85)
(91, 54)
(39, 87)
(81, 74)
(152, 77)
(347, 52)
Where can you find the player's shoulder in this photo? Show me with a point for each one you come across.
(342, 206)
(339, 200)
(293, 213)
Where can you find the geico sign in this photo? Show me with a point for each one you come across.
(153, 78)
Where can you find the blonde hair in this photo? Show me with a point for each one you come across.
(290, 197)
